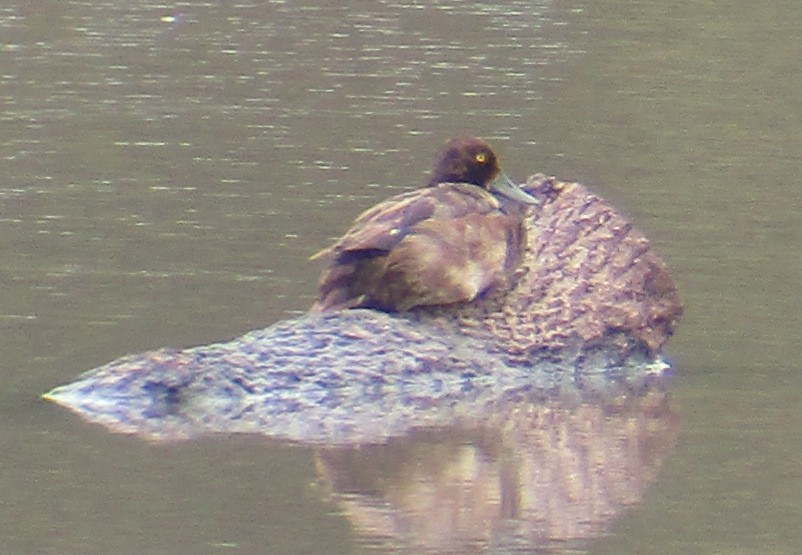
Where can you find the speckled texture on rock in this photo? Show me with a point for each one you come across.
(590, 313)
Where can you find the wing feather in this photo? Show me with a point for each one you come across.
(438, 245)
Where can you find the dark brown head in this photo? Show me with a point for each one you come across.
(471, 160)
(465, 160)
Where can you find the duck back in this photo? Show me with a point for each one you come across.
(435, 246)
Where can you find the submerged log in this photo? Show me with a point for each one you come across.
(588, 316)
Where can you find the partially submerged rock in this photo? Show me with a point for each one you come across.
(588, 317)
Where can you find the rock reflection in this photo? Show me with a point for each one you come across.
(534, 476)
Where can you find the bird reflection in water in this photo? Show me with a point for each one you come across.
(534, 476)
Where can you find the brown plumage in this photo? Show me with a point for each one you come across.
(444, 244)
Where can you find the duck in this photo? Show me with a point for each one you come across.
(449, 242)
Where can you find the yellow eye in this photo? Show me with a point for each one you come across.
(481, 158)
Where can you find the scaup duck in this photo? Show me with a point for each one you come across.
(447, 243)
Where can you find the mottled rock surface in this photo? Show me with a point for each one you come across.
(588, 316)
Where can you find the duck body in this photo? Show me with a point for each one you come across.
(444, 244)
(435, 246)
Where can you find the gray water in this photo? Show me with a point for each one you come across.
(168, 169)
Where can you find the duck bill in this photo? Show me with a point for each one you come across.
(505, 187)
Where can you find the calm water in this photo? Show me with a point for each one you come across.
(168, 169)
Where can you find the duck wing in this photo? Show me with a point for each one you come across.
(434, 246)
(384, 225)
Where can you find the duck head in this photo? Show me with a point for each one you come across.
(471, 160)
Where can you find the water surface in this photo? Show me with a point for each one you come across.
(168, 169)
